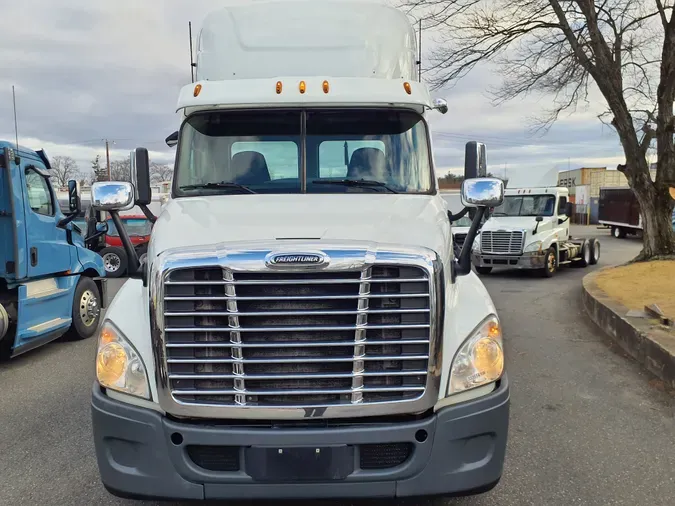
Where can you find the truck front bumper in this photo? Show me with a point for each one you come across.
(458, 450)
(534, 261)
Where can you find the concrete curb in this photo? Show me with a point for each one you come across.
(639, 337)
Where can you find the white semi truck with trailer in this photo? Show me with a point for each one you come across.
(301, 327)
(531, 230)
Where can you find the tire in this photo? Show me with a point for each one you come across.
(618, 232)
(115, 262)
(484, 271)
(86, 310)
(551, 266)
(585, 255)
(595, 250)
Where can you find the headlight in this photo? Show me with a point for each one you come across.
(476, 244)
(118, 365)
(534, 247)
(480, 360)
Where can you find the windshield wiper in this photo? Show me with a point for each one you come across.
(363, 183)
(218, 186)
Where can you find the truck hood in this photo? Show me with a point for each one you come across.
(419, 220)
(526, 223)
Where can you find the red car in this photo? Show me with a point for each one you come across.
(114, 257)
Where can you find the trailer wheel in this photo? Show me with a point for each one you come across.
(595, 250)
(618, 232)
(585, 255)
(86, 310)
(551, 263)
(115, 262)
(484, 271)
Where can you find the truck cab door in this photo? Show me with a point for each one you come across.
(48, 251)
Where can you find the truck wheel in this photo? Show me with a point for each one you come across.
(585, 254)
(484, 270)
(551, 263)
(115, 262)
(595, 250)
(86, 310)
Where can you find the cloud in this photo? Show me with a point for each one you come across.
(89, 71)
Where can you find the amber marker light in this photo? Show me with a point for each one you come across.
(303, 86)
(198, 90)
(407, 88)
(326, 87)
(280, 86)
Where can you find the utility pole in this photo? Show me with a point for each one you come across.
(107, 158)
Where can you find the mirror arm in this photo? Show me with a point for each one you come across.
(92, 238)
(458, 216)
(463, 265)
(126, 242)
(69, 217)
(148, 213)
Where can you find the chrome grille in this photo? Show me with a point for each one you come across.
(297, 339)
(502, 242)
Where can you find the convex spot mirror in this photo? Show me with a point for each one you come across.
(441, 105)
(74, 204)
(112, 196)
(102, 227)
(482, 192)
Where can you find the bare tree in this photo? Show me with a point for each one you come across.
(565, 48)
(120, 170)
(159, 172)
(64, 168)
(86, 178)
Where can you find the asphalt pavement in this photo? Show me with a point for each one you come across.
(587, 425)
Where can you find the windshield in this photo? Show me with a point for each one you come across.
(464, 221)
(135, 227)
(245, 152)
(526, 205)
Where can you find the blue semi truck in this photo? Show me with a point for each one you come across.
(51, 285)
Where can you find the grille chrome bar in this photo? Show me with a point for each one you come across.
(292, 329)
(299, 313)
(296, 344)
(295, 360)
(299, 392)
(302, 297)
(296, 282)
(253, 377)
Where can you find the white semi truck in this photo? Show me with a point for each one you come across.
(531, 230)
(301, 327)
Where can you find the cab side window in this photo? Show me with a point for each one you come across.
(562, 206)
(39, 195)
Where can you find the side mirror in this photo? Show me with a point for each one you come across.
(140, 175)
(569, 209)
(482, 192)
(102, 228)
(475, 160)
(112, 196)
(172, 140)
(539, 219)
(441, 105)
(74, 204)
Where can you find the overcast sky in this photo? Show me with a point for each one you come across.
(85, 71)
